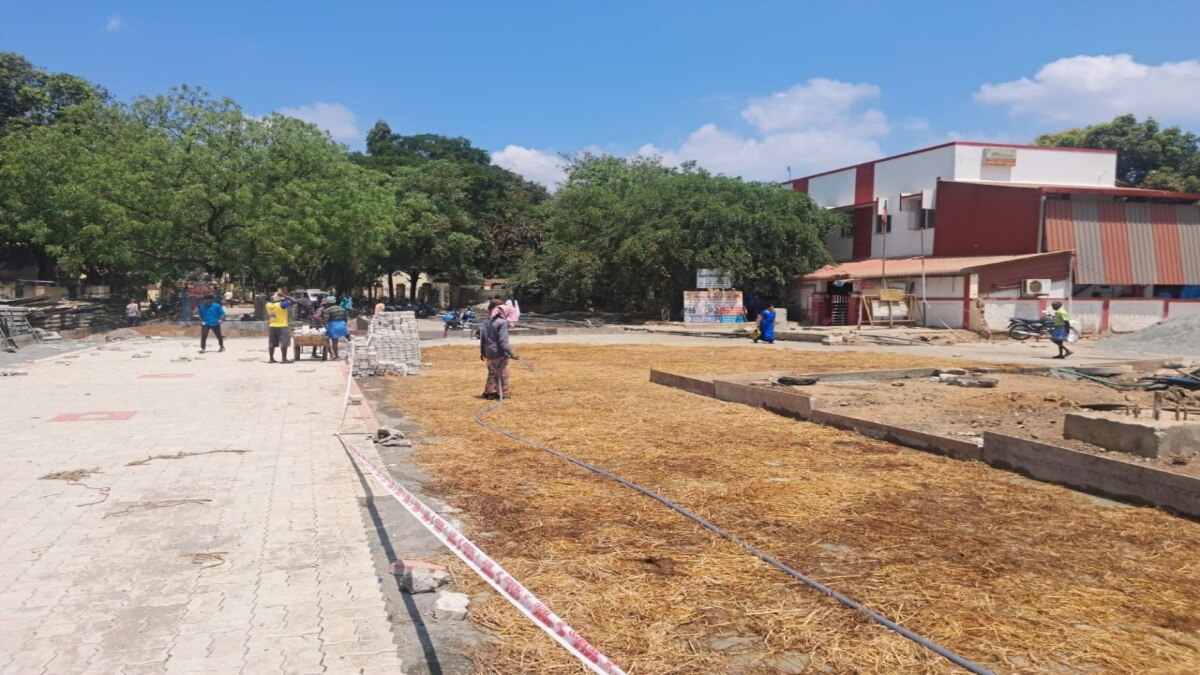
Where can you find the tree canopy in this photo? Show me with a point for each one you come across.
(150, 190)
(630, 234)
(458, 215)
(31, 95)
(185, 181)
(1148, 155)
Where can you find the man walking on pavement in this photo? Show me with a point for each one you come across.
(211, 316)
(277, 326)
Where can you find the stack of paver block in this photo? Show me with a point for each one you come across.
(394, 348)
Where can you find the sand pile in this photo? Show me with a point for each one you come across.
(1179, 336)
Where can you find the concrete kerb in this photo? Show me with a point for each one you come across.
(1094, 474)
(1040, 461)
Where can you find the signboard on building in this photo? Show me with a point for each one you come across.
(891, 295)
(706, 279)
(713, 307)
(999, 156)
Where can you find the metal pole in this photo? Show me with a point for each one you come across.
(924, 291)
(1071, 283)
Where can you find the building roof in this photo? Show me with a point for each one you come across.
(875, 268)
(1099, 190)
(972, 144)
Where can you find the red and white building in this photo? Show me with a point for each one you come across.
(960, 228)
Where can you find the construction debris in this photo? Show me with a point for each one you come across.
(392, 438)
(973, 382)
(422, 580)
(451, 606)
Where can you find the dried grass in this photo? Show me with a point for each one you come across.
(1014, 574)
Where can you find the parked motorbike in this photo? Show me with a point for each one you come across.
(464, 320)
(1023, 329)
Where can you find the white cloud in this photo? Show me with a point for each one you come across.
(816, 103)
(1087, 89)
(337, 119)
(539, 166)
(114, 24)
(813, 126)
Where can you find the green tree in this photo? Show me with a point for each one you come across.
(629, 235)
(183, 181)
(31, 95)
(458, 216)
(1148, 155)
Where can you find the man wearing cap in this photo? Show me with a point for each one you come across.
(280, 335)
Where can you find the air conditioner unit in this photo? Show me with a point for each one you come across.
(1035, 287)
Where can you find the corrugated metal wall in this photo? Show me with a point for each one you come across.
(975, 219)
(1124, 244)
(1010, 274)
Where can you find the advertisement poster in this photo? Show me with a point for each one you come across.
(713, 307)
(709, 279)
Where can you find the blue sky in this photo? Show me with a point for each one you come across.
(745, 88)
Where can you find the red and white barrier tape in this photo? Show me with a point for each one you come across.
(508, 587)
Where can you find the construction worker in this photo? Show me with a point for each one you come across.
(1062, 330)
(280, 334)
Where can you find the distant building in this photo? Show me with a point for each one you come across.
(981, 220)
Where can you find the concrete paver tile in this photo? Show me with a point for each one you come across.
(191, 646)
(138, 583)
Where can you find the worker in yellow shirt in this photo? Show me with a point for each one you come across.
(1062, 330)
(280, 335)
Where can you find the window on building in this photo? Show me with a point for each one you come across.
(846, 231)
(882, 225)
(926, 219)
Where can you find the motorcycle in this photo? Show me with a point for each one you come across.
(1023, 329)
(458, 321)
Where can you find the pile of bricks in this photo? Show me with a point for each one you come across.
(394, 349)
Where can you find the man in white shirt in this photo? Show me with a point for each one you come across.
(133, 312)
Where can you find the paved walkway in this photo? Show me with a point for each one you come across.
(247, 554)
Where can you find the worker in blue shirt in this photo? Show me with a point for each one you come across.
(211, 314)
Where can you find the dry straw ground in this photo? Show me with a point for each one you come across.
(1013, 574)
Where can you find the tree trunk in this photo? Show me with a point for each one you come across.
(413, 278)
(391, 286)
(47, 267)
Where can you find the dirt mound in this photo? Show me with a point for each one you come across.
(1173, 336)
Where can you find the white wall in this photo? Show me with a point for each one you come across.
(998, 312)
(908, 175)
(840, 248)
(833, 189)
(1086, 315)
(1184, 308)
(944, 313)
(1037, 165)
(1126, 316)
(941, 287)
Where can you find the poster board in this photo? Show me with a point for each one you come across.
(999, 157)
(713, 307)
(709, 279)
